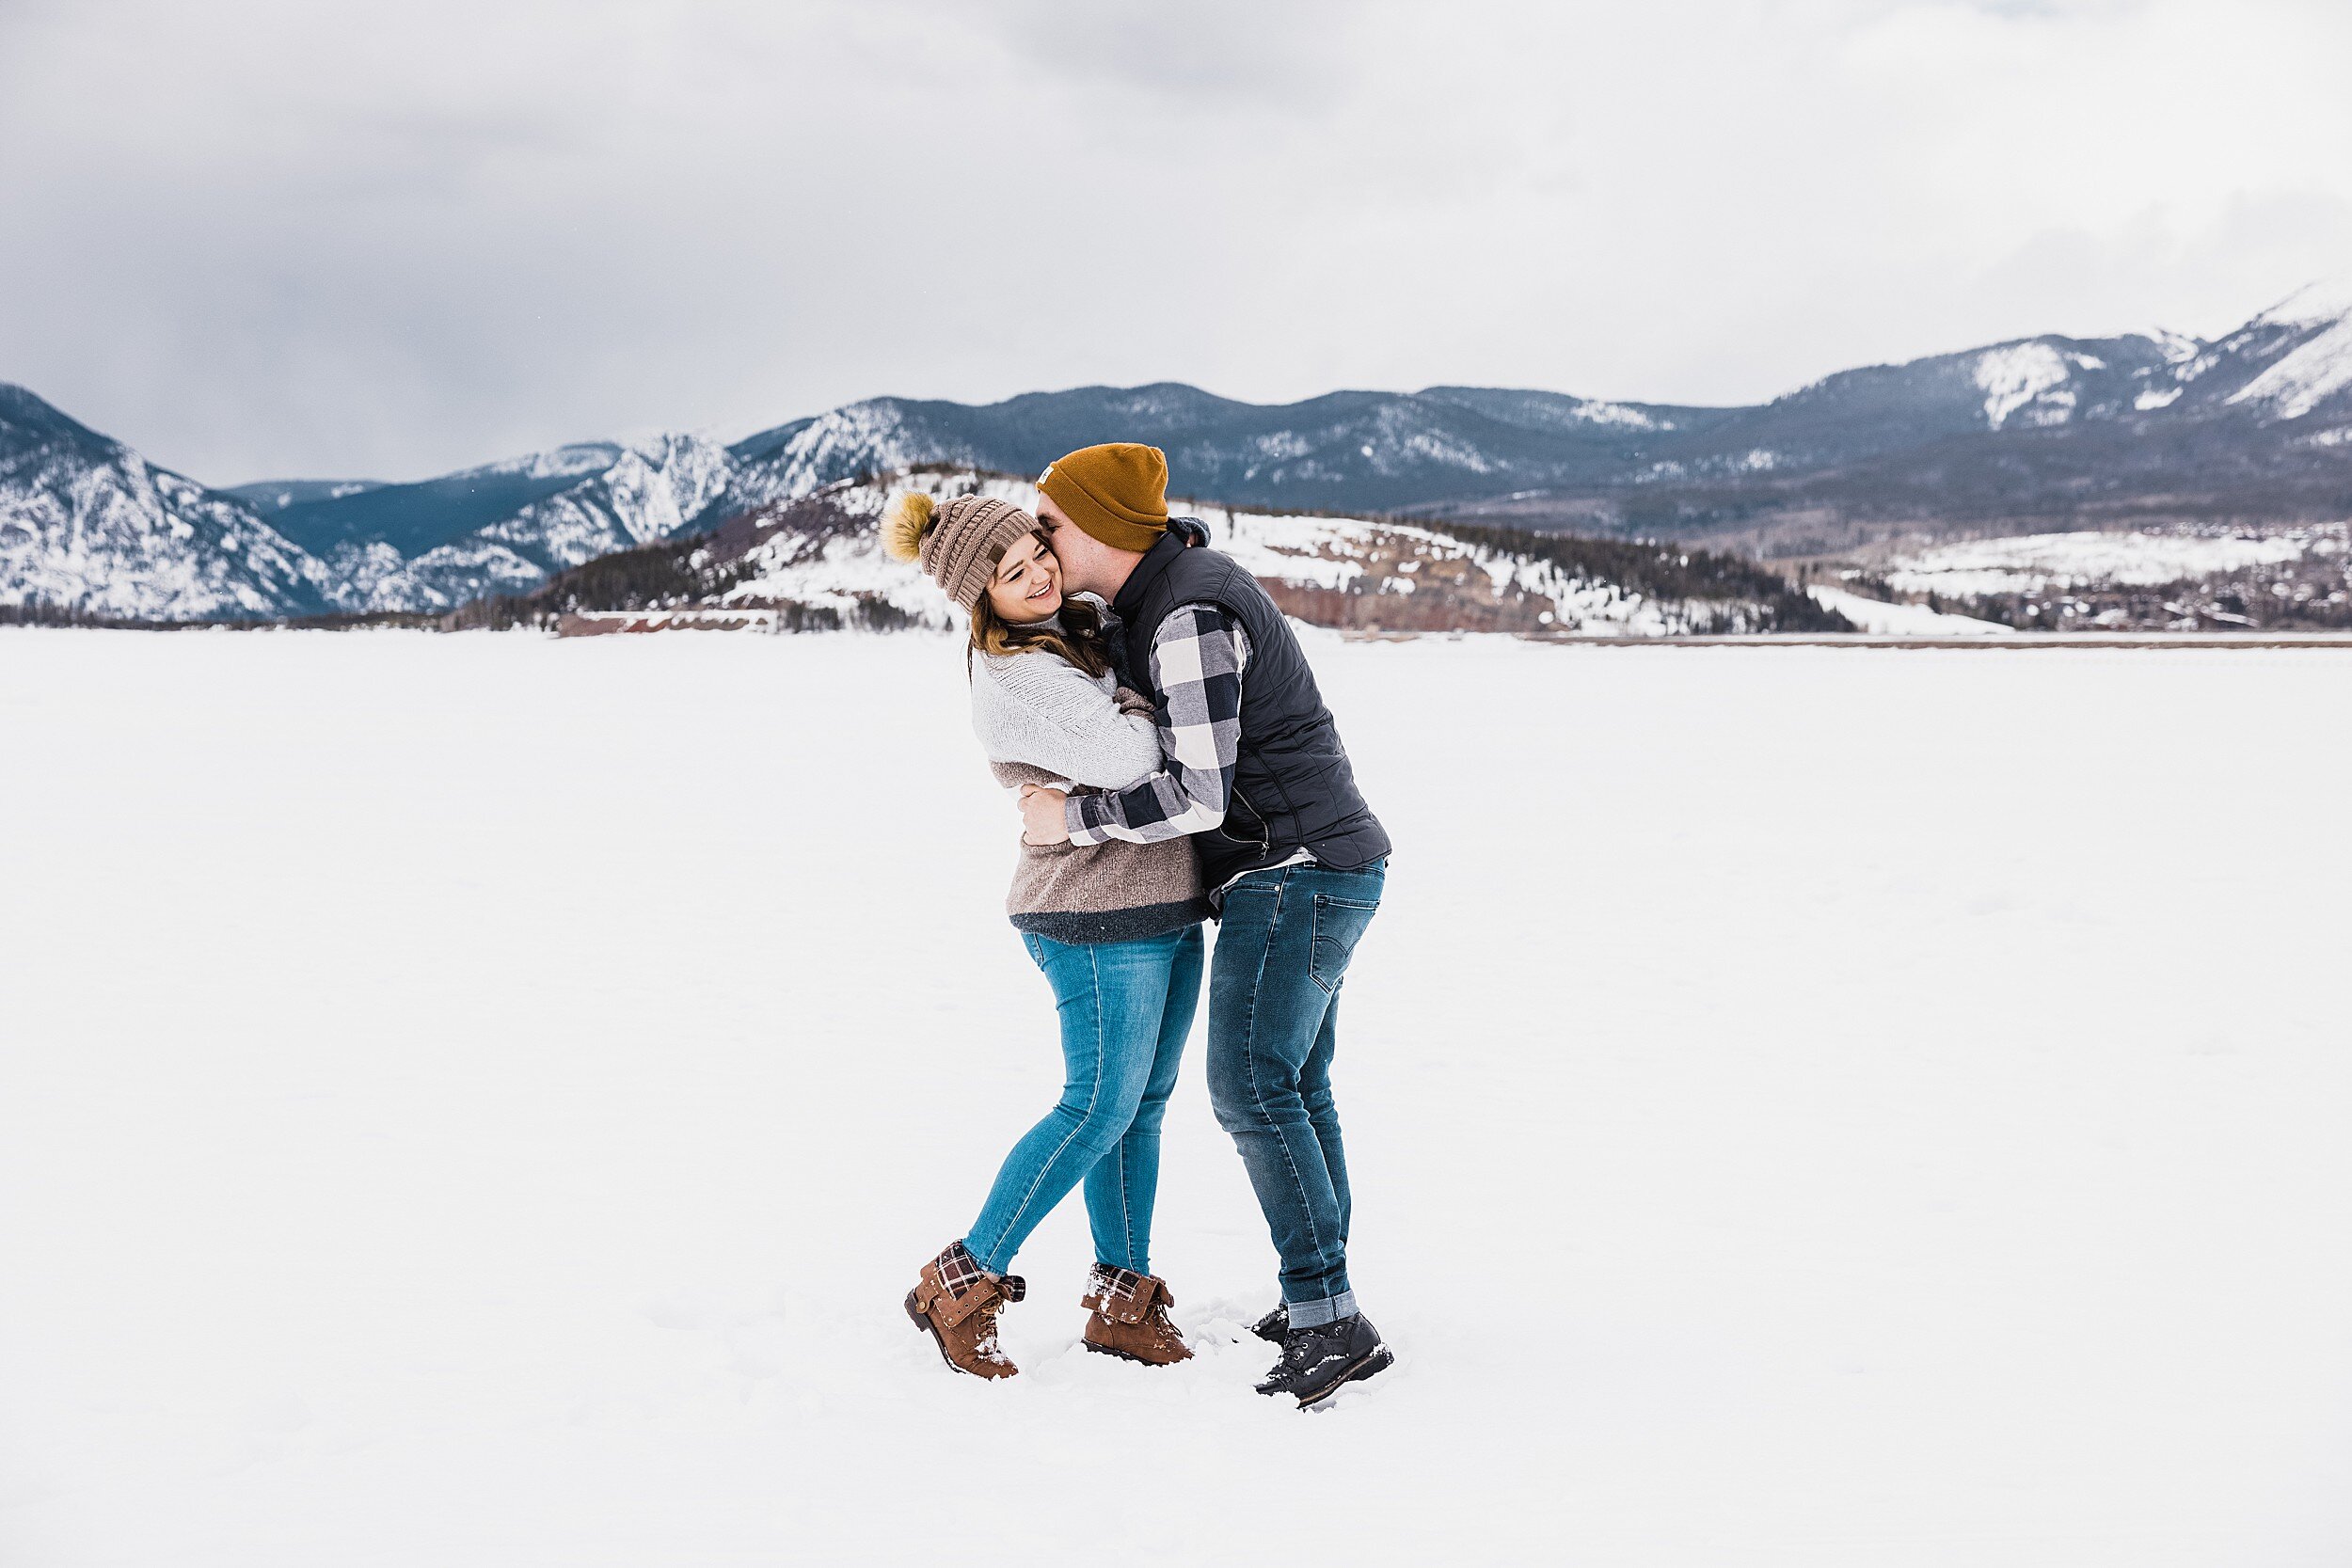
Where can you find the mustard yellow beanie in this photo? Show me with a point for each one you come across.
(1118, 492)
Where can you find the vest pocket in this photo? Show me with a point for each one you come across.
(1262, 839)
(1339, 923)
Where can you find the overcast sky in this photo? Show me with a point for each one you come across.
(275, 238)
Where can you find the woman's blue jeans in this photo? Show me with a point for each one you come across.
(1126, 1008)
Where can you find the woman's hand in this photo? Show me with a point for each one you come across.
(1041, 819)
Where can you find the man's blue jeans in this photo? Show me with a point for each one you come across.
(1283, 949)
(1126, 1008)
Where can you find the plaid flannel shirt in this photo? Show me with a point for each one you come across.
(1197, 656)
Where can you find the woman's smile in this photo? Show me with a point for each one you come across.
(1026, 587)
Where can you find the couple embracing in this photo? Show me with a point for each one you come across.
(1175, 764)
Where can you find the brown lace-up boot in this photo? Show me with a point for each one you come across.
(955, 1300)
(1127, 1315)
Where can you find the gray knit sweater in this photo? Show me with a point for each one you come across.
(1042, 719)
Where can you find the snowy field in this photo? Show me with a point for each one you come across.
(477, 1100)
(2043, 561)
(1884, 619)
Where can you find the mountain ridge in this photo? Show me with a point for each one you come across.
(2022, 435)
(816, 562)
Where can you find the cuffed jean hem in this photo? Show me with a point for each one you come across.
(1330, 1310)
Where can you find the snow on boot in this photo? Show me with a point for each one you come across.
(1318, 1362)
(1275, 1325)
(955, 1300)
(1127, 1315)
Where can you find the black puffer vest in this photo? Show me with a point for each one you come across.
(1293, 789)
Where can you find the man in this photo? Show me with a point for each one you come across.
(1293, 856)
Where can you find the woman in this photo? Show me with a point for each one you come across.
(1115, 926)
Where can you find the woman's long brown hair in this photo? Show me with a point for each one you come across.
(1080, 640)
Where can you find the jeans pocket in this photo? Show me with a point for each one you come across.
(1339, 923)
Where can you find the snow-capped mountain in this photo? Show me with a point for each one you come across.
(505, 527)
(1454, 450)
(2050, 434)
(322, 516)
(2314, 374)
(88, 524)
(502, 528)
(817, 560)
(642, 491)
(1376, 451)
(2044, 434)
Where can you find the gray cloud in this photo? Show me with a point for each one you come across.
(263, 237)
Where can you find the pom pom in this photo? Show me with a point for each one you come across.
(905, 520)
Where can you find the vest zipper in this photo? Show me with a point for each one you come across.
(1265, 828)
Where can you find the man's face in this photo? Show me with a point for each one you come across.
(1073, 546)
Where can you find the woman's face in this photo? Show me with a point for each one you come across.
(1027, 585)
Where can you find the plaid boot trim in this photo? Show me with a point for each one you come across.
(1124, 1295)
(1122, 1284)
(960, 1272)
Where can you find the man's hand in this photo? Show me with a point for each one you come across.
(1041, 818)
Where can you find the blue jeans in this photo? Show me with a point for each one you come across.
(1126, 1008)
(1281, 951)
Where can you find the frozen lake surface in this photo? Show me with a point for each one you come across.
(479, 1100)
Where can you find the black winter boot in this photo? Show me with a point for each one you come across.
(1318, 1362)
(1274, 1325)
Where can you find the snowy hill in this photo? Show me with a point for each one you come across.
(1886, 618)
(2045, 434)
(499, 528)
(2259, 421)
(2310, 335)
(2179, 580)
(818, 561)
(322, 516)
(647, 490)
(88, 523)
(2042, 435)
(1373, 450)
(2097, 431)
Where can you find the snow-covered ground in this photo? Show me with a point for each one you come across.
(479, 1100)
(2041, 561)
(1903, 620)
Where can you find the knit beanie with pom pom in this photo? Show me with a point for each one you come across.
(958, 543)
